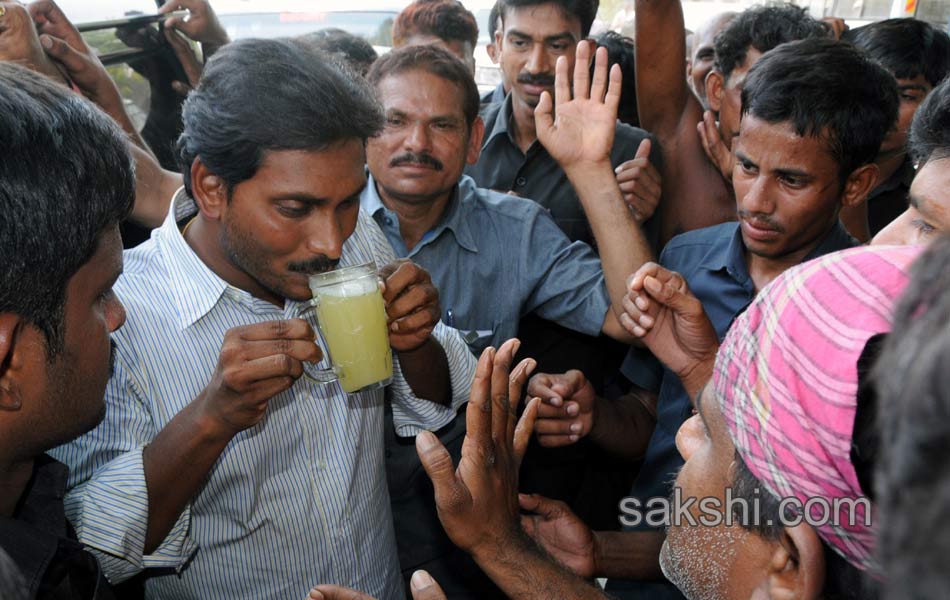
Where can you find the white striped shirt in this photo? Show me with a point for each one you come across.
(296, 500)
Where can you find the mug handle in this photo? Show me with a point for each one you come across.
(310, 372)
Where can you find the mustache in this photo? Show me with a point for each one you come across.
(762, 219)
(320, 264)
(419, 158)
(539, 79)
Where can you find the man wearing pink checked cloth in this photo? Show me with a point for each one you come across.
(777, 422)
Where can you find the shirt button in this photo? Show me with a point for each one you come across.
(389, 221)
(520, 181)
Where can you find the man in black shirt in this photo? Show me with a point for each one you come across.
(65, 186)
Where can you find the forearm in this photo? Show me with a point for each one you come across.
(523, 571)
(624, 426)
(154, 188)
(628, 554)
(176, 463)
(622, 245)
(662, 91)
(426, 370)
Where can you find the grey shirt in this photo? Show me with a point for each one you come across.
(495, 258)
(504, 167)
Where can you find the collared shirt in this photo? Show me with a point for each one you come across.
(887, 201)
(43, 545)
(496, 95)
(496, 258)
(298, 499)
(502, 166)
(713, 263)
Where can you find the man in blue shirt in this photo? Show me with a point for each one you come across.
(494, 257)
(814, 114)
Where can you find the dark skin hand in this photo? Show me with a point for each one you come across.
(412, 306)
(695, 195)
(256, 362)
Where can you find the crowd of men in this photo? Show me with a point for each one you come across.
(667, 311)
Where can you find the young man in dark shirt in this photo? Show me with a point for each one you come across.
(68, 184)
(813, 115)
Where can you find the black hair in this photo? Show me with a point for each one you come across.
(435, 60)
(930, 132)
(763, 28)
(583, 10)
(905, 47)
(843, 581)
(620, 50)
(913, 476)
(826, 88)
(67, 177)
(494, 17)
(355, 52)
(261, 95)
(447, 20)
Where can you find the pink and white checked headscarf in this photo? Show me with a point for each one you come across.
(787, 379)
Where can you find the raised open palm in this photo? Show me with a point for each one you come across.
(580, 129)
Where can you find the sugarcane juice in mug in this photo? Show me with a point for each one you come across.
(352, 318)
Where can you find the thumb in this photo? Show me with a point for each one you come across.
(667, 294)
(643, 151)
(62, 52)
(424, 587)
(438, 465)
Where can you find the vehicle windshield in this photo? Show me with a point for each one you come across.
(374, 26)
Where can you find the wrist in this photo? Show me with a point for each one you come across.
(698, 375)
(586, 172)
(210, 427)
(598, 416)
(515, 542)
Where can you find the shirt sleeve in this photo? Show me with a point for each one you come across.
(566, 278)
(107, 501)
(412, 414)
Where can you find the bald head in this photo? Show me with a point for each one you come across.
(701, 53)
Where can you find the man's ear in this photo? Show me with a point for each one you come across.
(209, 191)
(11, 361)
(859, 184)
(797, 565)
(715, 88)
(475, 141)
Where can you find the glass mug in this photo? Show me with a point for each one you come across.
(351, 315)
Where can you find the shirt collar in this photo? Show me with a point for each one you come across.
(731, 256)
(454, 218)
(195, 287)
(502, 118)
(902, 177)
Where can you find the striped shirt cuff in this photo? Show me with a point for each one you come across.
(411, 414)
(110, 515)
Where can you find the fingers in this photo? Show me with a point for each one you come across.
(302, 350)
(522, 434)
(272, 330)
(598, 86)
(336, 592)
(420, 295)
(478, 415)
(544, 112)
(170, 6)
(544, 507)
(541, 386)
(635, 319)
(501, 403)
(424, 587)
(516, 383)
(635, 281)
(581, 71)
(185, 55)
(612, 98)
